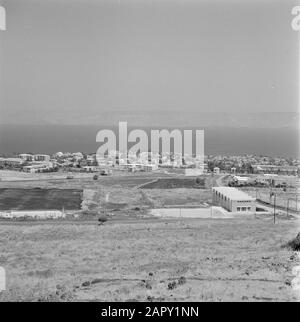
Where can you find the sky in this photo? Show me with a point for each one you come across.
(69, 60)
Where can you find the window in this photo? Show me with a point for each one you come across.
(243, 208)
(238, 209)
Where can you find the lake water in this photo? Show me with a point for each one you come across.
(231, 141)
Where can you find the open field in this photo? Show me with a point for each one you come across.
(177, 197)
(135, 256)
(173, 183)
(209, 260)
(39, 199)
(123, 191)
(124, 181)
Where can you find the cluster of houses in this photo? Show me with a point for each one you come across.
(264, 180)
(28, 162)
(250, 164)
(77, 161)
(148, 161)
(34, 163)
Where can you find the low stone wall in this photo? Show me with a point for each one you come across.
(43, 214)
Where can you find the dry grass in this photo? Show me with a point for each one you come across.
(177, 197)
(166, 260)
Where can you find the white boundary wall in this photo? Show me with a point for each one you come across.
(42, 214)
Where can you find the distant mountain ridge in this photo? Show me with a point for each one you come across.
(166, 119)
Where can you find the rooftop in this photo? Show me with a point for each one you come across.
(233, 193)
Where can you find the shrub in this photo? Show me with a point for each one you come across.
(294, 244)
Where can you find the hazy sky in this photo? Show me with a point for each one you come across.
(68, 58)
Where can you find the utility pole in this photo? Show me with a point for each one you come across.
(273, 194)
(274, 207)
(287, 207)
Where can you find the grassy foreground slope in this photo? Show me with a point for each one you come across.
(165, 260)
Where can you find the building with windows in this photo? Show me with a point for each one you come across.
(34, 157)
(10, 161)
(41, 157)
(239, 180)
(26, 157)
(38, 167)
(275, 169)
(233, 200)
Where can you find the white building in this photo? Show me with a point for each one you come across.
(41, 157)
(58, 155)
(26, 157)
(240, 179)
(216, 170)
(233, 200)
(38, 167)
(134, 167)
(78, 156)
(90, 168)
(34, 158)
(11, 161)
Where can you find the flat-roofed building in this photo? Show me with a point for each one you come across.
(42, 157)
(232, 199)
(241, 180)
(26, 157)
(11, 161)
(38, 167)
(275, 169)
